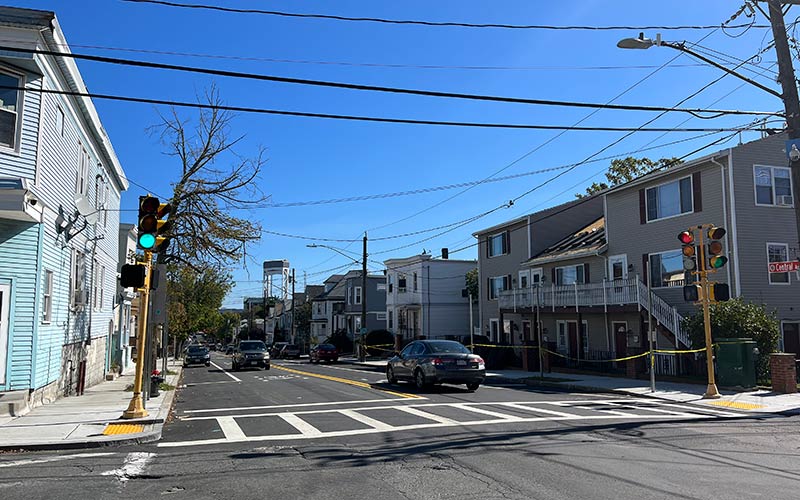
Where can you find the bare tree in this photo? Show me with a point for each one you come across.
(202, 230)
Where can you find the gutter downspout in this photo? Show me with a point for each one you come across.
(724, 212)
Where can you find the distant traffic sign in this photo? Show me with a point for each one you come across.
(784, 267)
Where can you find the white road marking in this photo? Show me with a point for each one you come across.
(495, 414)
(192, 384)
(301, 425)
(231, 429)
(226, 372)
(293, 405)
(58, 458)
(606, 410)
(537, 410)
(133, 466)
(706, 410)
(375, 424)
(427, 415)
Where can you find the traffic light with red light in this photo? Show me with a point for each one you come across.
(688, 250)
(715, 248)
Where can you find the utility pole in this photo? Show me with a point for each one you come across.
(791, 103)
(136, 406)
(294, 331)
(361, 352)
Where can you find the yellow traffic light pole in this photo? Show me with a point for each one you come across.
(711, 390)
(136, 406)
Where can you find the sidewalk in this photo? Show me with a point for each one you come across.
(756, 401)
(83, 421)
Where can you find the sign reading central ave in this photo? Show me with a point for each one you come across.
(784, 267)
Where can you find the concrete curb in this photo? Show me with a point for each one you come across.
(148, 436)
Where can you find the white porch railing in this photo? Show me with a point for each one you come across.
(604, 294)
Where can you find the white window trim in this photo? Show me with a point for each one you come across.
(769, 274)
(494, 321)
(678, 180)
(524, 274)
(502, 277)
(562, 345)
(507, 250)
(47, 305)
(20, 105)
(357, 295)
(540, 272)
(774, 197)
(650, 270)
(576, 266)
(585, 329)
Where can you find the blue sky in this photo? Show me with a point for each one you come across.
(311, 159)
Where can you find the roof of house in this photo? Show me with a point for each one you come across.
(537, 216)
(335, 293)
(588, 240)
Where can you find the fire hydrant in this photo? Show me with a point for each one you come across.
(155, 380)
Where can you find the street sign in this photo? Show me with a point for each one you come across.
(784, 267)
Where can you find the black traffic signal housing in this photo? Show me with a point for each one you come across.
(132, 275)
(689, 250)
(720, 292)
(148, 222)
(715, 248)
(692, 293)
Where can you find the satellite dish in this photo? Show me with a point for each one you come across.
(86, 209)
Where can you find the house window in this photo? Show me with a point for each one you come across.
(357, 295)
(401, 283)
(415, 282)
(494, 329)
(562, 336)
(391, 320)
(778, 252)
(496, 285)
(666, 269)
(47, 297)
(60, 121)
(773, 186)
(9, 115)
(82, 174)
(77, 273)
(570, 275)
(498, 244)
(585, 336)
(670, 199)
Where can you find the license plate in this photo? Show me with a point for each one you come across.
(461, 362)
(253, 362)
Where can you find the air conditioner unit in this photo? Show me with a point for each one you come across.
(785, 200)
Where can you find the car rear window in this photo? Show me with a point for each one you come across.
(197, 350)
(447, 346)
(253, 345)
(326, 347)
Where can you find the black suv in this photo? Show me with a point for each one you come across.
(197, 354)
(250, 353)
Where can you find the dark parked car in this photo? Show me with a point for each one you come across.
(277, 347)
(324, 352)
(290, 351)
(197, 355)
(428, 362)
(250, 353)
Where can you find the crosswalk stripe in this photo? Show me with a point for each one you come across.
(606, 410)
(496, 414)
(539, 410)
(231, 429)
(358, 417)
(301, 425)
(430, 416)
(706, 410)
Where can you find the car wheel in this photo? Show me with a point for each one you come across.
(266, 367)
(419, 379)
(473, 386)
(390, 375)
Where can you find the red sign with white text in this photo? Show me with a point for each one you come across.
(784, 267)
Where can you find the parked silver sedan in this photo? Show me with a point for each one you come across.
(428, 362)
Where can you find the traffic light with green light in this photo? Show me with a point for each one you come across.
(152, 225)
(715, 248)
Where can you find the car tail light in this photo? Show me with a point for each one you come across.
(437, 361)
(479, 360)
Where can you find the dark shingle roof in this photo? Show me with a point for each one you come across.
(591, 237)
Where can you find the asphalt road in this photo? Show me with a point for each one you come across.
(324, 432)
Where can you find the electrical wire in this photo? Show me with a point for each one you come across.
(374, 88)
(428, 23)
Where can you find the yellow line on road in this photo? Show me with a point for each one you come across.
(356, 383)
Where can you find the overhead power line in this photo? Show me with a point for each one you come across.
(244, 109)
(433, 23)
(377, 88)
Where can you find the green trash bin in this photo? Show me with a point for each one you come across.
(736, 362)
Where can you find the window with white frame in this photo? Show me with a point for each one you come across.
(415, 282)
(666, 269)
(585, 336)
(82, 173)
(96, 286)
(77, 274)
(496, 285)
(773, 186)
(391, 320)
(669, 199)
(498, 244)
(494, 329)
(47, 297)
(561, 339)
(60, 121)
(9, 114)
(569, 275)
(778, 252)
(401, 283)
(357, 295)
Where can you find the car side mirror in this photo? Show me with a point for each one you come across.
(398, 354)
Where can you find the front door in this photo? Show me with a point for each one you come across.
(526, 331)
(536, 276)
(618, 267)
(791, 338)
(620, 338)
(572, 334)
(5, 318)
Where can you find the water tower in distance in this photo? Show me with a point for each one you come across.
(276, 279)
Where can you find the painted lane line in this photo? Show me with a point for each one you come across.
(133, 466)
(226, 372)
(301, 425)
(293, 405)
(427, 415)
(376, 425)
(192, 384)
(231, 429)
(538, 410)
(348, 381)
(495, 414)
(34, 461)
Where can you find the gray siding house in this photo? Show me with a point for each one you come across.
(376, 302)
(60, 186)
